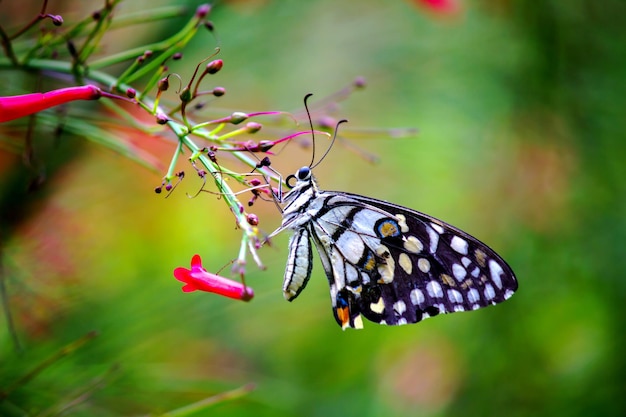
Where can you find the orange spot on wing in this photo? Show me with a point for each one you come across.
(344, 315)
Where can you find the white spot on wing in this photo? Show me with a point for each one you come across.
(385, 269)
(378, 307)
(459, 272)
(405, 263)
(402, 223)
(399, 306)
(434, 239)
(490, 294)
(417, 296)
(473, 296)
(459, 244)
(455, 297)
(495, 270)
(424, 265)
(413, 245)
(434, 289)
(437, 228)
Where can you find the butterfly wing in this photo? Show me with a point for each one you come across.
(396, 266)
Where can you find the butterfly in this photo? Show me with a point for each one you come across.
(387, 263)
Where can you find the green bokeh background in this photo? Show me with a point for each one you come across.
(519, 107)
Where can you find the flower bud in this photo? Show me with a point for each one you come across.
(161, 119)
(327, 122)
(359, 82)
(252, 219)
(219, 91)
(185, 95)
(163, 84)
(253, 127)
(203, 10)
(238, 117)
(265, 162)
(214, 66)
(265, 145)
(57, 20)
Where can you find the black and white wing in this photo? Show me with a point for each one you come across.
(394, 265)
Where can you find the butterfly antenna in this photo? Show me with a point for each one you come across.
(331, 142)
(308, 113)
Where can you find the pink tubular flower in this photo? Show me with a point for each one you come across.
(440, 6)
(15, 107)
(198, 279)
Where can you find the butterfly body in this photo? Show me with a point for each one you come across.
(387, 263)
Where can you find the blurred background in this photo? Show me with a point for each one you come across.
(519, 107)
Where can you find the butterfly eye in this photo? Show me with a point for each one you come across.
(304, 173)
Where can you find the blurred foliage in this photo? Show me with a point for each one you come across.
(518, 107)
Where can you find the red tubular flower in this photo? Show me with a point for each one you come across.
(440, 6)
(198, 279)
(19, 106)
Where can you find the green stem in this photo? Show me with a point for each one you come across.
(207, 402)
(178, 39)
(148, 16)
(4, 297)
(179, 151)
(64, 351)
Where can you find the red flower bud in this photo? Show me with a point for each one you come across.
(203, 10)
(214, 66)
(253, 219)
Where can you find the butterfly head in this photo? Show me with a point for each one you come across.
(302, 183)
(303, 177)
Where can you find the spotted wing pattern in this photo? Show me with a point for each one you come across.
(387, 263)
